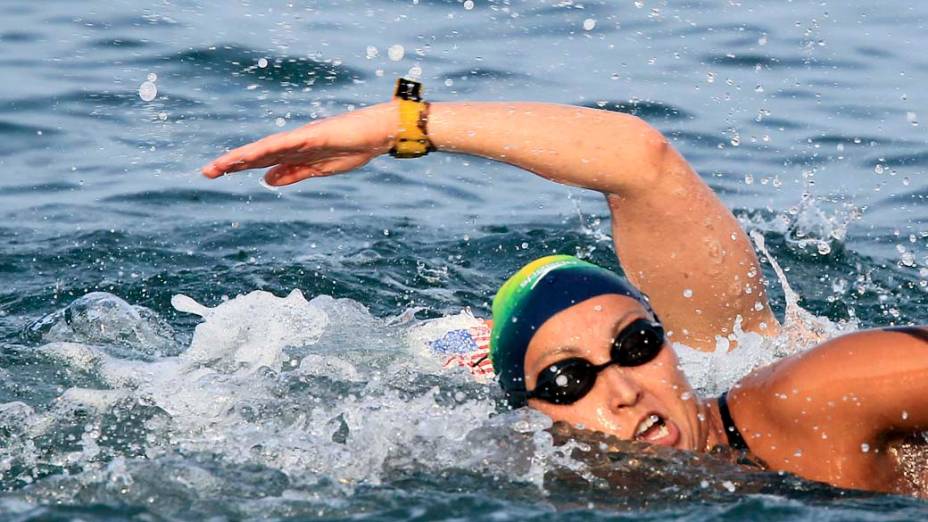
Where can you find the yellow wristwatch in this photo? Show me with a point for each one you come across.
(412, 141)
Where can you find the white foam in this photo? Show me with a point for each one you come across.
(711, 373)
(320, 390)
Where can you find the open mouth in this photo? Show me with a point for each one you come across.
(652, 429)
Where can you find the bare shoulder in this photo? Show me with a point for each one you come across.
(857, 381)
(832, 413)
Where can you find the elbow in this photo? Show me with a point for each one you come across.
(654, 152)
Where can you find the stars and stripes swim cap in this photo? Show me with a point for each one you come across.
(533, 295)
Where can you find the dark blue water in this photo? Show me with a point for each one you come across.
(806, 117)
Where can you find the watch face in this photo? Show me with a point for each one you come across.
(408, 90)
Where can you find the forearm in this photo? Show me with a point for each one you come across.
(677, 241)
(594, 149)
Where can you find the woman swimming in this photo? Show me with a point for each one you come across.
(583, 346)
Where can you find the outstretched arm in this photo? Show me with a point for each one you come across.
(675, 238)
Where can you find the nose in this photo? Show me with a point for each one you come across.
(623, 390)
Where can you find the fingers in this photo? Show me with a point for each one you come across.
(289, 174)
(262, 153)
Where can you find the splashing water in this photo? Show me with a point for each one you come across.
(316, 394)
(711, 373)
(305, 400)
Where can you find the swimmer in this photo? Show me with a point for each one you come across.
(589, 348)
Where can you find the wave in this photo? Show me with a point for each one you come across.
(233, 61)
(645, 109)
(284, 396)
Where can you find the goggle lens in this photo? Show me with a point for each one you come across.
(568, 381)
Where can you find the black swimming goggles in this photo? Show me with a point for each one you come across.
(568, 381)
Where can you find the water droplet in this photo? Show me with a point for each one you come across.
(687, 292)
(748, 179)
(372, 52)
(449, 82)
(280, 122)
(262, 62)
(148, 91)
(561, 380)
(162, 116)
(879, 169)
(396, 52)
(589, 24)
(912, 118)
(762, 40)
(905, 415)
(710, 77)
(823, 248)
(468, 5)
(729, 485)
(415, 72)
(865, 447)
(152, 77)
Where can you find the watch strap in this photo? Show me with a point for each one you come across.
(412, 140)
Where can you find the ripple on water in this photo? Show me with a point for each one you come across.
(120, 43)
(41, 188)
(236, 62)
(14, 37)
(918, 159)
(645, 109)
(752, 61)
(11, 129)
(179, 196)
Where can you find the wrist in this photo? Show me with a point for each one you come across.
(391, 111)
(411, 138)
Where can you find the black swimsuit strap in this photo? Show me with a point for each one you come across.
(735, 440)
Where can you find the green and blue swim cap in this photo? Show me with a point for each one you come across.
(533, 295)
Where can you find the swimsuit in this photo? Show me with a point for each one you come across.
(735, 439)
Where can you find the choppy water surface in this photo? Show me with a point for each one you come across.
(177, 348)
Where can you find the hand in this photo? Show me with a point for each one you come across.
(322, 148)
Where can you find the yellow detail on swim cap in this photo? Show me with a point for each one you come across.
(522, 278)
(534, 294)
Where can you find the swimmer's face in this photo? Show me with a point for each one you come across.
(625, 400)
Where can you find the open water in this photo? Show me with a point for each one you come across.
(304, 392)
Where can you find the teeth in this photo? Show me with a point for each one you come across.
(647, 424)
(661, 433)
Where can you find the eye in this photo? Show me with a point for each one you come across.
(638, 344)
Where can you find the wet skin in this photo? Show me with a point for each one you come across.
(833, 414)
(867, 388)
(623, 399)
